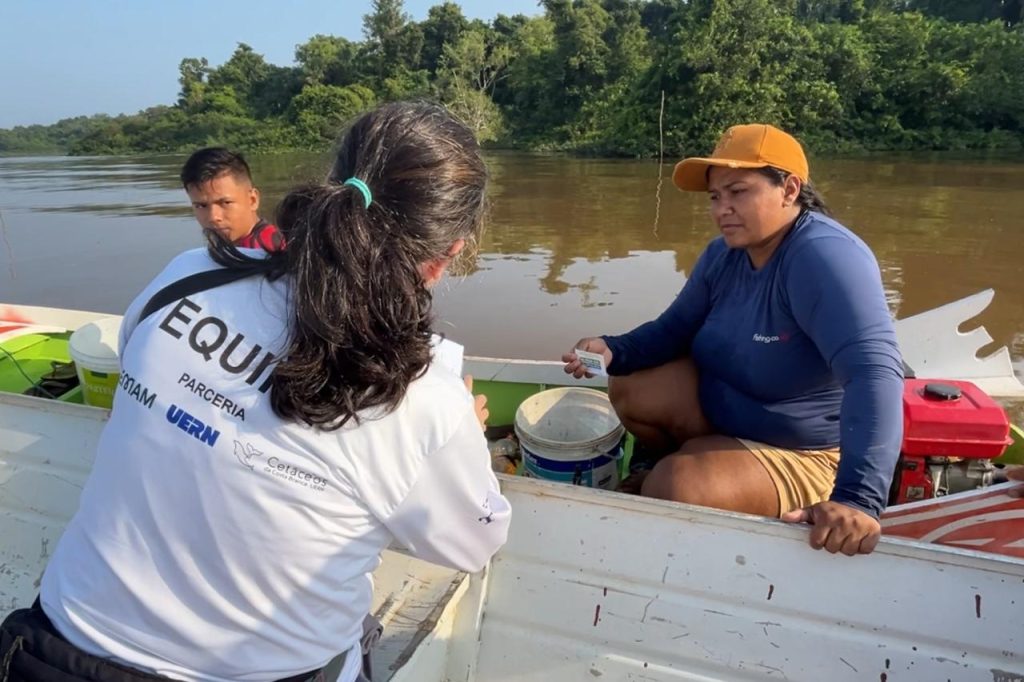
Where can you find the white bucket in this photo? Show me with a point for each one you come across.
(570, 435)
(93, 347)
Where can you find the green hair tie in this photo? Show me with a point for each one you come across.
(363, 188)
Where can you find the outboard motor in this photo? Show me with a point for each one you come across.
(952, 430)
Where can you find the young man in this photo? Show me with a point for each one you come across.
(219, 185)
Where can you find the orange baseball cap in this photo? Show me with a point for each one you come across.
(755, 145)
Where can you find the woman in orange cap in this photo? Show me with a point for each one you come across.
(778, 354)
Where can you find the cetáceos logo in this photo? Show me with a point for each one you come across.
(245, 454)
(293, 474)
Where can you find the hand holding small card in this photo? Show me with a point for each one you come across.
(594, 362)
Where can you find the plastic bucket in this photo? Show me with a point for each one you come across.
(571, 435)
(93, 347)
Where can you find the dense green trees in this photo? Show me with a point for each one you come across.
(589, 76)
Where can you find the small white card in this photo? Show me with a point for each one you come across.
(448, 354)
(593, 362)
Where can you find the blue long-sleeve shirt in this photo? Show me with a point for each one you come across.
(800, 354)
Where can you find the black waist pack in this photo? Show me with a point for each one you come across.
(31, 650)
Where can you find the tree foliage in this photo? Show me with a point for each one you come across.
(589, 76)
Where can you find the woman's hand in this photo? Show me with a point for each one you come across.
(479, 403)
(838, 527)
(594, 344)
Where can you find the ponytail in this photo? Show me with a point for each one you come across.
(809, 199)
(360, 313)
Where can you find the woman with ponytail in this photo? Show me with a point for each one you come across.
(772, 385)
(281, 419)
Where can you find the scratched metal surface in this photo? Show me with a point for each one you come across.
(46, 452)
(599, 586)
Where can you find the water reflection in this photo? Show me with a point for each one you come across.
(574, 246)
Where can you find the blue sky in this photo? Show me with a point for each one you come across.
(61, 58)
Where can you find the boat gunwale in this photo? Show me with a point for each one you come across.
(889, 545)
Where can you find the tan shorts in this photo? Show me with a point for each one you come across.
(801, 477)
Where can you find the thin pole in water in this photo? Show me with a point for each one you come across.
(661, 156)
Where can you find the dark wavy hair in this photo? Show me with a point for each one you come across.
(810, 199)
(361, 315)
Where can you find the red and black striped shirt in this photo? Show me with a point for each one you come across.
(264, 236)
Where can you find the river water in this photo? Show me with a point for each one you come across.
(574, 247)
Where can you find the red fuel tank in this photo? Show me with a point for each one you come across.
(952, 419)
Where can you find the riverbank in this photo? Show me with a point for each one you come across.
(613, 78)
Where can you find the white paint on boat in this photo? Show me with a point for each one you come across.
(933, 346)
(601, 586)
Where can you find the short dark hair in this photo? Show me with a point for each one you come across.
(211, 162)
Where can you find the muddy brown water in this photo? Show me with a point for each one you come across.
(574, 247)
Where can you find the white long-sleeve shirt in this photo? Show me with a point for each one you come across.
(216, 542)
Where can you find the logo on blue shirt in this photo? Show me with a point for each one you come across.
(771, 338)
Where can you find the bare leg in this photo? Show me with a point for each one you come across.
(660, 406)
(714, 471)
